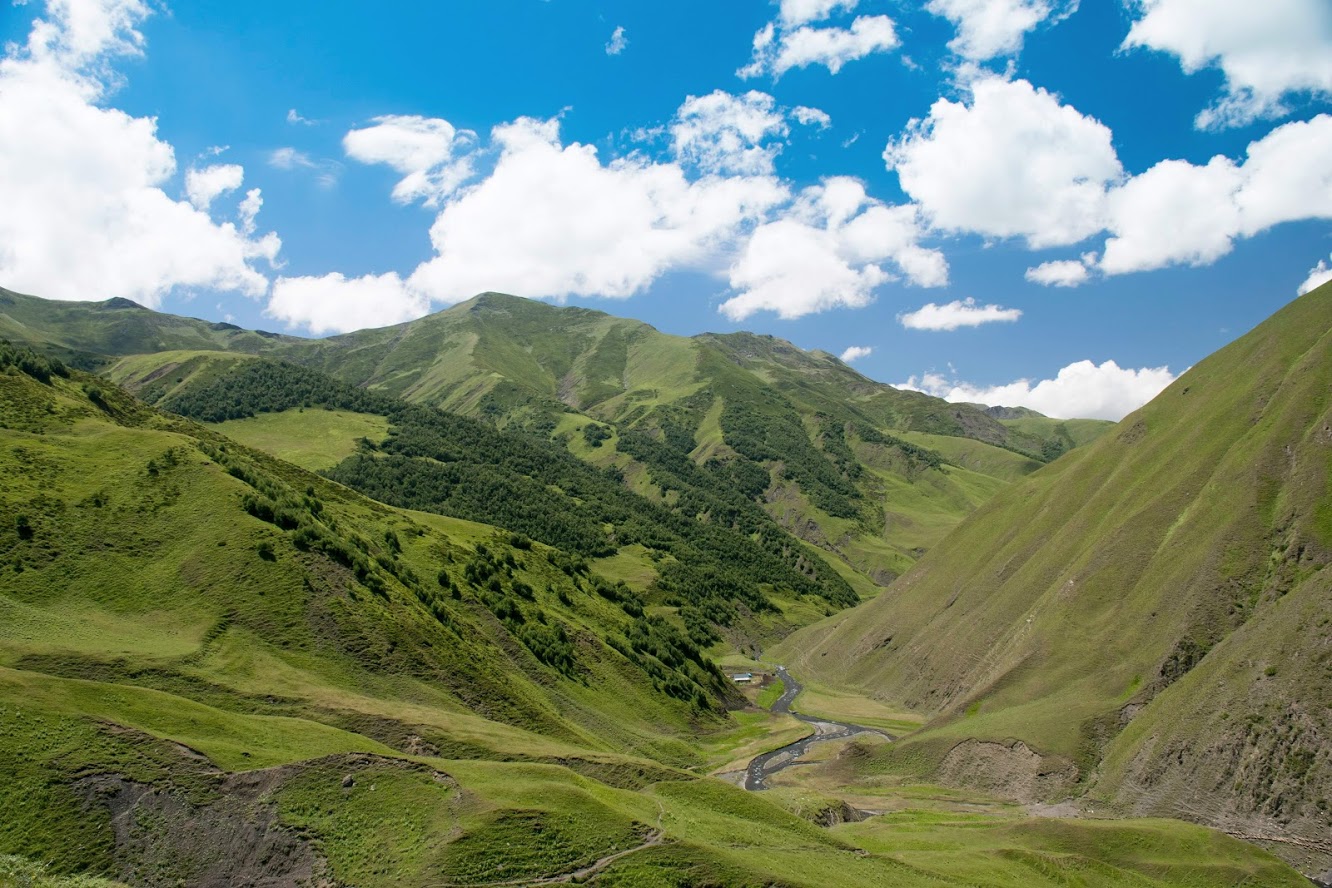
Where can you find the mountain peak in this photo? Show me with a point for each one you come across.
(1001, 412)
(493, 299)
(509, 305)
(117, 303)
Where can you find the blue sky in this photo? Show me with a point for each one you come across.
(995, 198)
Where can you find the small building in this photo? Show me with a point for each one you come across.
(742, 677)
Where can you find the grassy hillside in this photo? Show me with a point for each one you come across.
(217, 668)
(314, 439)
(132, 515)
(1144, 621)
(824, 449)
(1059, 435)
(818, 442)
(714, 554)
(85, 333)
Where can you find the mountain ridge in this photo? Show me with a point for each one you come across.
(842, 453)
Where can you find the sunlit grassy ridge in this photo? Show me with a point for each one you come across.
(313, 439)
(147, 588)
(1149, 615)
(83, 333)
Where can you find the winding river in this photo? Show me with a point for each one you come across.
(764, 766)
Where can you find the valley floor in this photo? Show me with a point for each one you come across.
(359, 813)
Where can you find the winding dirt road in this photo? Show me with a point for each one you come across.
(764, 766)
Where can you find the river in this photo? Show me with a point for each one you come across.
(769, 763)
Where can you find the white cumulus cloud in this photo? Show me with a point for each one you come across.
(333, 303)
(549, 221)
(545, 219)
(807, 116)
(1318, 275)
(78, 34)
(956, 315)
(794, 13)
(430, 153)
(990, 28)
(1082, 390)
(831, 249)
(1014, 162)
(1173, 213)
(618, 41)
(856, 352)
(85, 211)
(1266, 51)
(552, 220)
(777, 50)
(203, 186)
(1177, 212)
(1063, 273)
(725, 133)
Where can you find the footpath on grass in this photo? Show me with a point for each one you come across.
(763, 766)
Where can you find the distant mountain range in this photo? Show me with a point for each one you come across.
(867, 475)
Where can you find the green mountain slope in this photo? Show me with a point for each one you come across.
(84, 333)
(1148, 620)
(820, 443)
(1059, 435)
(828, 452)
(180, 611)
(125, 512)
(712, 553)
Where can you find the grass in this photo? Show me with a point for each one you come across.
(1079, 432)
(262, 588)
(1175, 558)
(855, 708)
(771, 693)
(383, 828)
(528, 820)
(753, 734)
(144, 597)
(1019, 851)
(976, 456)
(232, 740)
(630, 565)
(17, 872)
(313, 439)
(552, 371)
